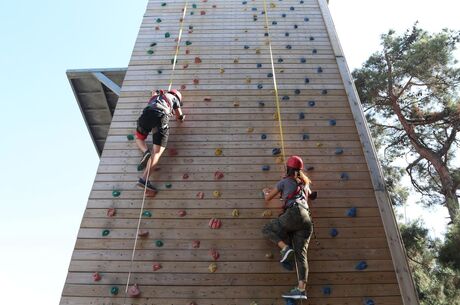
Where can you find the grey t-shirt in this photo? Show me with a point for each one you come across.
(287, 186)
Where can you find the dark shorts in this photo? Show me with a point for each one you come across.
(155, 122)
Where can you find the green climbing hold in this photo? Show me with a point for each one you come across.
(194, 5)
(130, 137)
(147, 214)
(153, 44)
(114, 290)
(167, 35)
(163, 4)
(105, 232)
(116, 193)
(158, 20)
(159, 243)
(150, 52)
(192, 13)
(172, 61)
(188, 42)
(168, 185)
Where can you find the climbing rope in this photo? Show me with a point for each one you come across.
(275, 84)
(141, 212)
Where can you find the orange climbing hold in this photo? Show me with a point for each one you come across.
(134, 291)
(218, 175)
(215, 223)
(111, 212)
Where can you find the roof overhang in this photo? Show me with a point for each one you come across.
(97, 92)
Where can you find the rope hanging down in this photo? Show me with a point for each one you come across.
(149, 163)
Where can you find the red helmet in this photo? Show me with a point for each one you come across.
(295, 162)
(177, 94)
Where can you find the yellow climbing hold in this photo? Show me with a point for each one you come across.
(216, 194)
(319, 144)
(212, 267)
(250, 129)
(253, 303)
(269, 255)
(235, 213)
(257, 51)
(236, 60)
(272, 5)
(267, 213)
(236, 103)
(222, 70)
(279, 160)
(248, 80)
(275, 116)
(218, 152)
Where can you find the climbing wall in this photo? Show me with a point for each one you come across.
(220, 158)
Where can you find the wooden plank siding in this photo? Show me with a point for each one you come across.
(223, 111)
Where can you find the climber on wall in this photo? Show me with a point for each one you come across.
(155, 117)
(294, 223)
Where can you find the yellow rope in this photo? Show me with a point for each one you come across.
(277, 99)
(178, 45)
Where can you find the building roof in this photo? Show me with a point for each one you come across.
(97, 92)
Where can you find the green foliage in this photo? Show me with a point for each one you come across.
(449, 254)
(436, 284)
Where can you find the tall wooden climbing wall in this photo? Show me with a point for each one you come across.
(225, 73)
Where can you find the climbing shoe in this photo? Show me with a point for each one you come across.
(296, 294)
(142, 184)
(144, 160)
(287, 254)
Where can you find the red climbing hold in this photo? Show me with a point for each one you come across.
(182, 213)
(172, 152)
(183, 87)
(214, 6)
(207, 99)
(134, 291)
(143, 233)
(187, 51)
(197, 60)
(200, 195)
(150, 193)
(218, 175)
(96, 277)
(156, 267)
(214, 254)
(215, 223)
(196, 244)
(202, 13)
(157, 28)
(196, 81)
(185, 66)
(185, 176)
(111, 212)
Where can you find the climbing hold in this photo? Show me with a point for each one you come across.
(218, 152)
(159, 71)
(254, 303)
(259, 65)
(326, 290)
(270, 74)
(207, 99)
(254, 9)
(250, 129)
(301, 2)
(216, 194)
(361, 265)
(218, 175)
(269, 255)
(143, 233)
(276, 151)
(274, 23)
(305, 136)
(309, 168)
(182, 213)
(168, 185)
(153, 44)
(114, 290)
(279, 160)
(147, 213)
(266, 168)
(306, 19)
(185, 176)
(212, 268)
(200, 195)
(105, 232)
(285, 98)
(314, 51)
(283, 15)
(301, 115)
(311, 103)
(150, 52)
(158, 20)
(134, 291)
(295, 26)
(192, 13)
(263, 136)
(236, 104)
(248, 80)
(261, 104)
(197, 60)
(194, 5)
(260, 86)
(303, 60)
(288, 47)
(338, 151)
(156, 267)
(185, 66)
(246, 47)
(159, 243)
(203, 13)
(188, 43)
(324, 92)
(214, 254)
(163, 4)
(111, 212)
(235, 213)
(312, 38)
(96, 277)
(196, 244)
(307, 80)
(286, 34)
(272, 5)
(172, 61)
(267, 213)
(236, 60)
(333, 232)
(266, 34)
(215, 223)
(332, 122)
(351, 212)
(297, 91)
(116, 193)
(183, 87)
(221, 70)
(257, 51)
(196, 81)
(319, 70)
(369, 302)
(167, 35)
(157, 28)
(280, 60)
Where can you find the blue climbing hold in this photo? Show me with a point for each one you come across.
(274, 23)
(309, 168)
(307, 80)
(306, 19)
(246, 47)
(295, 26)
(333, 232)
(270, 74)
(280, 60)
(327, 290)
(292, 8)
(266, 34)
(305, 136)
(194, 5)
(344, 176)
(352, 212)
(314, 51)
(332, 122)
(259, 65)
(288, 47)
(254, 9)
(261, 104)
(324, 92)
(311, 103)
(286, 34)
(159, 71)
(244, 2)
(361, 265)
(260, 86)
(301, 2)
(297, 91)
(153, 44)
(276, 151)
(283, 15)
(303, 60)
(312, 38)
(301, 115)
(285, 98)
(319, 70)
(369, 302)
(266, 168)
(338, 151)
(263, 136)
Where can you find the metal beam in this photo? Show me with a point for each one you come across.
(107, 82)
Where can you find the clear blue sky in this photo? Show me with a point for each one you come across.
(47, 159)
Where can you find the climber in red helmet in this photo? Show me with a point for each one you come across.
(291, 231)
(155, 118)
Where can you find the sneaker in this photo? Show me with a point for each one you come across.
(144, 160)
(296, 294)
(141, 184)
(287, 254)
